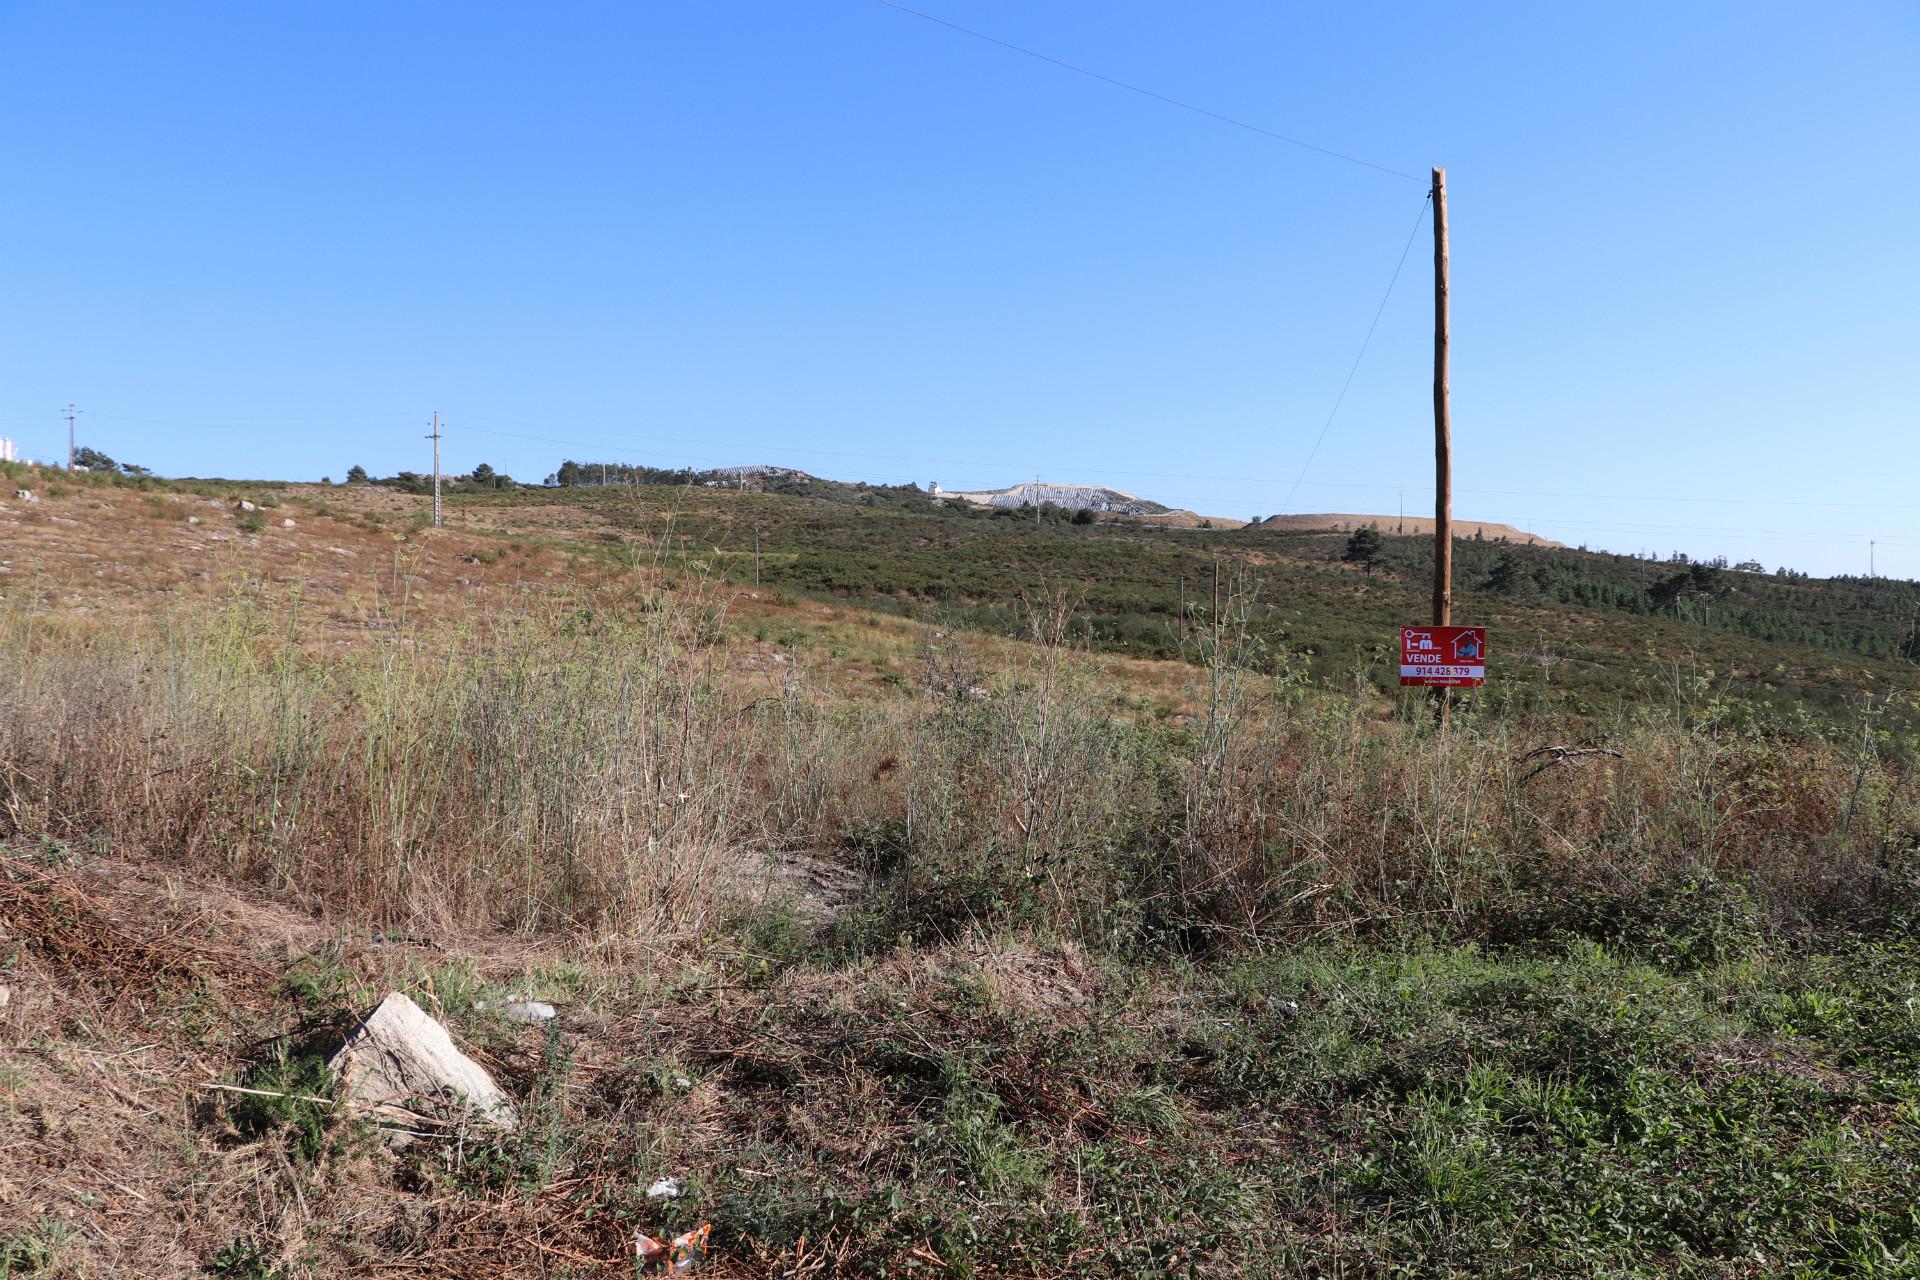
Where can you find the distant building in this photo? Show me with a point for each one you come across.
(8, 453)
(933, 488)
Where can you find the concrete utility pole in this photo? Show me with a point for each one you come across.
(71, 450)
(756, 559)
(435, 437)
(1442, 432)
(1216, 606)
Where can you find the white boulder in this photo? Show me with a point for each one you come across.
(400, 1068)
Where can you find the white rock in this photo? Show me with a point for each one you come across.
(400, 1067)
(193, 519)
(245, 505)
(25, 495)
(287, 523)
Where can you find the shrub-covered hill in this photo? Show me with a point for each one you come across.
(1570, 624)
(1573, 627)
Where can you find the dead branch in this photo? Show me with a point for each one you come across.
(1549, 757)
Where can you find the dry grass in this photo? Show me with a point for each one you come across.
(604, 792)
(540, 769)
(622, 760)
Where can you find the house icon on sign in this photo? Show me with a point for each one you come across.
(1467, 647)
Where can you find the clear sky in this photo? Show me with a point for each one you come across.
(270, 240)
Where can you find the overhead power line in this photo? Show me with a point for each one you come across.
(1150, 93)
(1364, 344)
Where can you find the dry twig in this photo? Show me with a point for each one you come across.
(1552, 756)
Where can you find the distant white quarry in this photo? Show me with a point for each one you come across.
(1072, 497)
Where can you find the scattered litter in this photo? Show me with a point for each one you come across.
(404, 940)
(402, 1069)
(193, 519)
(246, 506)
(25, 495)
(681, 1255)
(664, 1189)
(520, 1009)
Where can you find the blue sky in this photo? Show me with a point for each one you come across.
(271, 240)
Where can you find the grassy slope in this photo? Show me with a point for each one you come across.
(1573, 632)
(1576, 633)
(1649, 1018)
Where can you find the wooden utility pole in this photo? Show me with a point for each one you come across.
(1442, 432)
(756, 559)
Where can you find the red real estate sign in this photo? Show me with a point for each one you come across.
(1443, 656)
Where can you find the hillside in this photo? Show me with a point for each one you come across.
(1407, 526)
(1568, 625)
(900, 913)
(1096, 500)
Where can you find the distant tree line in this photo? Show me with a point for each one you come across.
(1873, 617)
(482, 479)
(573, 474)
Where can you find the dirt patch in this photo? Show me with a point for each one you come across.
(1054, 982)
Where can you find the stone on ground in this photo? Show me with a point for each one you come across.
(401, 1068)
